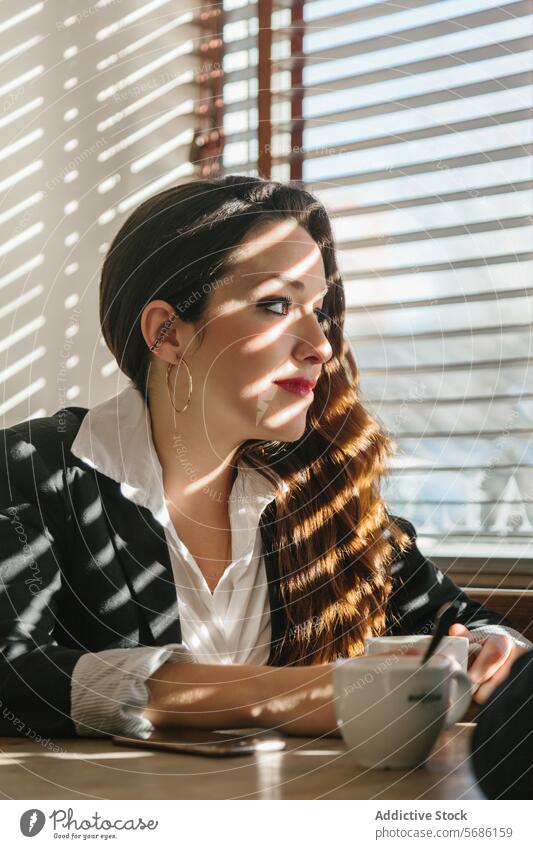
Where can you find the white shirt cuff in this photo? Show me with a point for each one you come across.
(487, 630)
(109, 692)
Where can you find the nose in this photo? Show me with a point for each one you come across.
(312, 342)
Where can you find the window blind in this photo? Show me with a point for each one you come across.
(98, 108)
(415, 130)
(417, 136)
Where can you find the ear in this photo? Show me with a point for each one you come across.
(158, 329)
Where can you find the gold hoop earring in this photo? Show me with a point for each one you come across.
(169, 367)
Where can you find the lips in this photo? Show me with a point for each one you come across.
(298, 386)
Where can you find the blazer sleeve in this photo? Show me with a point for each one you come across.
(35, 671)
(109, 692)
(48, 689)
(419, 590)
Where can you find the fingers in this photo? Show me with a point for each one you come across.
(484, 691)
(458, 630)
(494, 652)
(473, 651)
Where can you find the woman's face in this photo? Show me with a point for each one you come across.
(254, 337)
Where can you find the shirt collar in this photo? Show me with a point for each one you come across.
(115, 439)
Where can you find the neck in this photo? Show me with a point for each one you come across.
(198, 474)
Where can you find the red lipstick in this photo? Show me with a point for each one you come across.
(297, 386)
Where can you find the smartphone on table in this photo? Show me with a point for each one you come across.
(215, 744)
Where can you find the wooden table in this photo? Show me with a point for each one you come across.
(91, 768)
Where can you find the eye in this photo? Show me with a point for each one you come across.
(277, 302)
(284, 301)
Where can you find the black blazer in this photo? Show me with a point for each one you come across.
(83, 569)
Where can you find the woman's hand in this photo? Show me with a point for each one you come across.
(492, 663)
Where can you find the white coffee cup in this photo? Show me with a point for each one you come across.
(391, 708)
(455, 647)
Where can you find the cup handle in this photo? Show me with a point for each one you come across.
(466, 688)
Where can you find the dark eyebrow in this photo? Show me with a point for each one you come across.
(296, 284)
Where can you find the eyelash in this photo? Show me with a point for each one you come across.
(287, 300)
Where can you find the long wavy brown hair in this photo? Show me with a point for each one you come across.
(333, 537)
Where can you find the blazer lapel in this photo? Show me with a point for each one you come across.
(141, 547)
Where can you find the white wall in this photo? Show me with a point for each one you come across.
(96, 108)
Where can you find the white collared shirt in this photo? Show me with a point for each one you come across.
(229, 625)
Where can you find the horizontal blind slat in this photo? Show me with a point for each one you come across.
(417, 138)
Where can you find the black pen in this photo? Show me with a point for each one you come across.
(446, 616)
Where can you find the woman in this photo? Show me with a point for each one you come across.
(199, 549)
